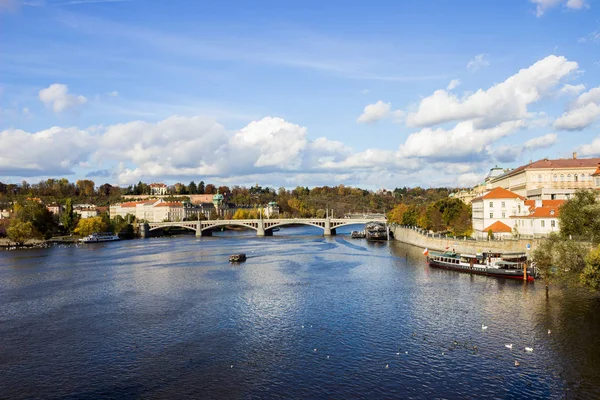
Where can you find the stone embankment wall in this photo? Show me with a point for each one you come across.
(415, 238)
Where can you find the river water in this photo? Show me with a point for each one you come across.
(304, 317)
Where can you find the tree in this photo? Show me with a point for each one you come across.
(85, 187)
(192, 188)
(579, 217)
(20, 232)
(67, 218)
(201, 187)
(87, 226)
(560, 260)
(36, 213)
(210, 189)
(590, 276)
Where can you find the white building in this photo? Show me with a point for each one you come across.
(507, 214)
(154, 210)
(85, 211)
(158, 189)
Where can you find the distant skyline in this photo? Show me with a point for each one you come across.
(374, 95)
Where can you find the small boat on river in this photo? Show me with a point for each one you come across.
(237, 257)
(358, 235)
(100, 237)
(502, 265)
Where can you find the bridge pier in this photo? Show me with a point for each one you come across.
(144, 229)
(198, 229)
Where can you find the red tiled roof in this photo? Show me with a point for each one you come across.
(169, 204)
(549, 164)
(597, 171)
(158, 185)
(131, 203)
(497, 227)
(499, 193)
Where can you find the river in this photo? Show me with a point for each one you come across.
(304, 317)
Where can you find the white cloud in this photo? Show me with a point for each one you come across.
(114, 93)
(572, 90)
(462, 142)
(541, 142)
(374, 112)
(453, 84)
(274, 142)
(582, 113)
(470, 179)
(53, 151)
(57, 96)
(477, 62)
(591, 149)
(545, 5)
(502, 102)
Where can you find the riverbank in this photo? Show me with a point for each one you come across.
(416, 238)
(6, 244)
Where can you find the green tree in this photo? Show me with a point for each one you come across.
(579, 217)
(201, 187)
(590, 276)
(67, 217)
(36, 213)
(560, 260)
(21, 232)
(192, 188)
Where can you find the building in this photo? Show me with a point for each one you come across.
(55, 209)
(507, 214)
(542, 219)
(155, 210)
(158, 189)
(548, 179)
(271, 210)
(85, 211)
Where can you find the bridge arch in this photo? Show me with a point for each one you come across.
(182, 225)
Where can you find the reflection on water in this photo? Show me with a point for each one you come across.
(303, 317)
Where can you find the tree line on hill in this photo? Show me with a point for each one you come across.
(446, 215)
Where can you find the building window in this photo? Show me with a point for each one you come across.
(582, 177)
(491, 215)
(576, 177)
(531, 223)
(543, 223)
(553, 223)
(569, 178)
(491, 204)
(503, 215)
(562, 178)
(503, 204)
(555, 178)
(539, 178)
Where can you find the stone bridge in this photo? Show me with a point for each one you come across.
(263, 227)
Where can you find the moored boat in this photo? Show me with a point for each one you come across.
(100, 237)
(507, 265)
(358, 234)
(237, 257)
(376, 231)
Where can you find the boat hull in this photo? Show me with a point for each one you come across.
(481, 270)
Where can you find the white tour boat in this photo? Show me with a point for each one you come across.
(100, 237)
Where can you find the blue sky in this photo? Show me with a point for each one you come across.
(372, 94)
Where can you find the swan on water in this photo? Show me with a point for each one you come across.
(483, 327)
(508, 346)
(529, 349)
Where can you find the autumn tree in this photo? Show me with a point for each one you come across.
(87, 226)
(67, 217)
(21, 232)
